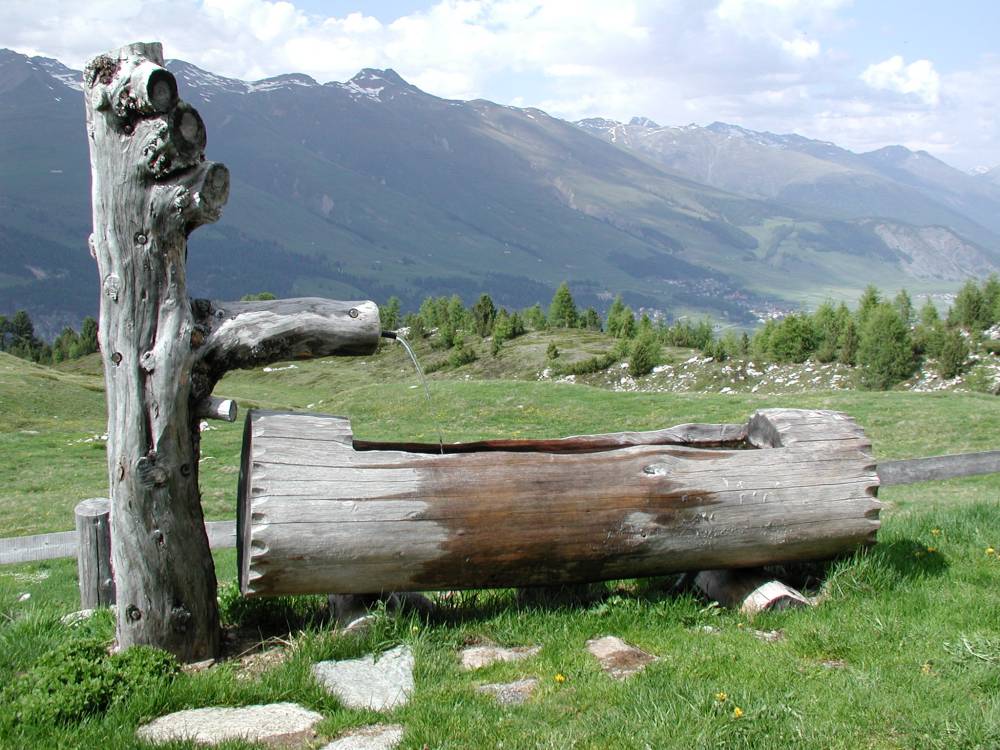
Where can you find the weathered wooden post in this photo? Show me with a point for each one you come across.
(93, 557)
(163, 352)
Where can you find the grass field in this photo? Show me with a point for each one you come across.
(903, 652)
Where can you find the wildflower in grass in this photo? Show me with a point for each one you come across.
(721, 697)
(560, 678)
(415, 629)
(925, 668)
(931, 550)
(935, 532)
(737, 712)
(990, 552)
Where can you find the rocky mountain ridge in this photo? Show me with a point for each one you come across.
(372, 187)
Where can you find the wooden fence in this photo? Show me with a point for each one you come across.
(21, 549)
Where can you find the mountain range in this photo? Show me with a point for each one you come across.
(373, 187)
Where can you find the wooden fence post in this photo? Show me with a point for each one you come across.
(93, 527)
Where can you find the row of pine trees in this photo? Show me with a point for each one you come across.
(17, 337)
(884, 340)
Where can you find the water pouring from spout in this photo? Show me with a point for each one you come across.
(423, 379)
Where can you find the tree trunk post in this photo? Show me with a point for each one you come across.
(163, 352)
(93, 528)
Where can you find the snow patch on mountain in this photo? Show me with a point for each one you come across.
(66, 76)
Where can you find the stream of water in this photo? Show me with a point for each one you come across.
(427, 391)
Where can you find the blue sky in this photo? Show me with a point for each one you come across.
(863, 74)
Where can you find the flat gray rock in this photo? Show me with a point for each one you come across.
(510, 693)
(374, 737)
(286, 725)
(477, 657)
(617, 658)
(379, 684)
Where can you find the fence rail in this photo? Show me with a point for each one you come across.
(20, 549)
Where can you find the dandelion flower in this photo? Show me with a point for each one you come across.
(737, 712)
(560, 678)
(990, 551)
(721, 697)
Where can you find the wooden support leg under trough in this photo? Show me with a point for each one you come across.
(322, 513)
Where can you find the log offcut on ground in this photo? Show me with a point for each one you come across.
(317, 514)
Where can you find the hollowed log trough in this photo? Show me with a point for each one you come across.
(321, 512)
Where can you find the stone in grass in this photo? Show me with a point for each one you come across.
(379, 684)
(477, 657)
(617, 658)
(286, 725)
(373, 737)
(510, 693)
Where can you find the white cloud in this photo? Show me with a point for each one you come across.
(918, 78)
(805, 49)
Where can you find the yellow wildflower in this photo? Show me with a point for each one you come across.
(737, 712)
(925, 668)
(932, 550)
(990, 551)
(936, 532)
(721, 697)
(560, 678)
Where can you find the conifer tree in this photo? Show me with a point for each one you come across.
(389, 315)
(885, 351)
(870, 299)
(484, 314)
(614, 321)
(562, 310)
(904, 306)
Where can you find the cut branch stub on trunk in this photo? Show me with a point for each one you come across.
(163, 354)
(317, 515)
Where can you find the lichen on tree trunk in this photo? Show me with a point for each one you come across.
(163, 352)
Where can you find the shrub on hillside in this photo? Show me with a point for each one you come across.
(885, 351)
(461, 355)
(535, 318)
(793, 339)
(484, 315)
(953, 354)
(415, 324)
(644, 356)
(593, 364)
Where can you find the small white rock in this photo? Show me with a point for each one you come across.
(374, 737)
(477, 657)
(287, 724)
(378, 684)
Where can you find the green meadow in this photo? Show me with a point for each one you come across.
(902, 652)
